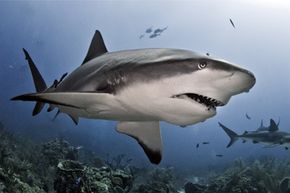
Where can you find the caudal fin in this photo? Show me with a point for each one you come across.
(233, 136)
(39, 83)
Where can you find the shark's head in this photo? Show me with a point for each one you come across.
(211, 83)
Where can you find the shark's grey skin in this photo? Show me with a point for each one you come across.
(111, 72)
(269, 135)
(139, 88)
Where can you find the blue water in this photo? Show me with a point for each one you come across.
(57, 35)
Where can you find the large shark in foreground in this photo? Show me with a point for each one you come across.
(139, 88)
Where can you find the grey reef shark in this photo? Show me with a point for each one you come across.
(139, 88)
(271, 136)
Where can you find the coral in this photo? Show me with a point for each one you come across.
(160, 180)
(120, 161)
(59, 149)
(72, 176)
(27, 167)
(260, 176)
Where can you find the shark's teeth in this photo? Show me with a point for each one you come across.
(210, 103)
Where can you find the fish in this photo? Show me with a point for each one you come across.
(232, 23)
(205, 143)
(271, 137)
(139, 88)
(197, 145)
(159, 30)
(219, 155)
(149, 30)
(247, 116)
(154, 35)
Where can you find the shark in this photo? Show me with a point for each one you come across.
(139, 88)
(271, 136)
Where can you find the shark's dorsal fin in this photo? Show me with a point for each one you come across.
(96, 48)
(148, 136)
(273, 126)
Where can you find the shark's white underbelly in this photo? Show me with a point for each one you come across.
(141, 102)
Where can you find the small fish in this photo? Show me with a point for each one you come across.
(205, 143)
(248, 117)
(232, 23)
(79, 147)
(197, 145)
(78, 181)
(219, 155)
(141, 36)
(149, 30)
(154, 35)
(207, 54)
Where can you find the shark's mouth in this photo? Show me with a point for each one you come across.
(210, 103)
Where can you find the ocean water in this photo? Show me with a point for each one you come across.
(57, 35)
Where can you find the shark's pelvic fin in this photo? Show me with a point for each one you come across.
(56, 115)
(37, 108)
(97, 47)
(148, 136)
(233, 136)
(39, 83)
(74, 118)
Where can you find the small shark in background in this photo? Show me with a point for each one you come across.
(139, 88)
(270, 136)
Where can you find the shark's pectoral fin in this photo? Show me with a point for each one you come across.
(148, 136)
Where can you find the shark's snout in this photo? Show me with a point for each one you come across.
(242, 79)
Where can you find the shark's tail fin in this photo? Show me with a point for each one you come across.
(233, 136)
(39, 83)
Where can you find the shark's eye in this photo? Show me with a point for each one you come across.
(202, 65)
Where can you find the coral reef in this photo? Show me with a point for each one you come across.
(55, 167)
(72, 176)
(159, 180)
(261, 176)
(58, 167)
